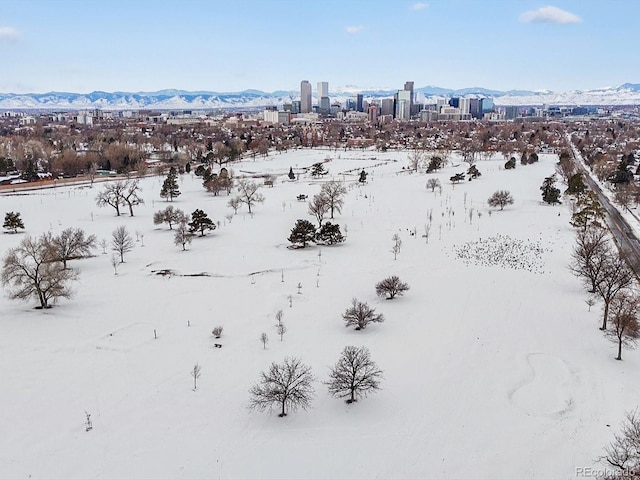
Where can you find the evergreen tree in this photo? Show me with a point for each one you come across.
(302, 233)
(292, 176)
(13, 222)
(474, 172)
(511, 164)
(363, 176)
(187, 167)
(576, 185)
(200, 222)
(30, 173)
(329, 234)
(550, 194)
(588, 212)
(317, 170)
(170, 188)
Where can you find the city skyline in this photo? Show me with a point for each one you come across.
(273, 45)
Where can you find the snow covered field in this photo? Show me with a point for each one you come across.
(492, 368)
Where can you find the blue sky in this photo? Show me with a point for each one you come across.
(232, 45)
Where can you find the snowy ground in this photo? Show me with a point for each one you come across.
(493, 369)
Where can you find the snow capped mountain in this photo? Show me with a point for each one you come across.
(170, 99)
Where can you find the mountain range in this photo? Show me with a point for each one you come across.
(626, 94)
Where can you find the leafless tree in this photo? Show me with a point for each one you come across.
(624, 328)
(234, 202)
(334, 193)
(623, 453)
(114, 263)
(433, 183)
(587, 257)
(121, 242)
(104, 244)
(92, 170)
(130, 194)
(31, 270)
(360, 314)
(318, 207)
(625, 195)
(500, 198)
(397, 244)
(70, 244)
(264, 339)
(169, 215)
(390, 287)
(249, 194)
(112, 195)
(615, 277)
(279, 315)
(195, 373)
(183, 234)
(287, 385)
(281, 329)
(417, 158)
(355, 375)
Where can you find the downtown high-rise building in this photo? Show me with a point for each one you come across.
(305, 97)
(408, 86)
(324, 106)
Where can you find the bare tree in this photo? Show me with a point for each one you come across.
(130, 195)
(416, 158)
(615, 277)
(623, 453)
(397, 244)
(249, 194)
(318, 207)
(112, 195)
(287, 385)
(279, 315)
(390, 287)
(169, 215)
(31, 270)
(334, 193)
(500, 198)
(592, 246)
(624, 328)
(70, 244)
(355, 375)
(281, 329)
(121, 242)
(433, 183)
(234, 202)
(360, 314)
(183, 234)
(264, 339)
(195, 373)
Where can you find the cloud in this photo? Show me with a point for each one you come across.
(8, 34)
(419, 6)
(353, 30)
(549, 15)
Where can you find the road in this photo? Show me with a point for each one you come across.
(622, 233)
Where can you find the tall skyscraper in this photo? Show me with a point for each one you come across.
(323, 90)
(305, 97)
(409, 87)
(403, 105)
(324, 105)
(359, 106)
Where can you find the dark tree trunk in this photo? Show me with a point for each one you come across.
(619, 357)
(605, 316)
